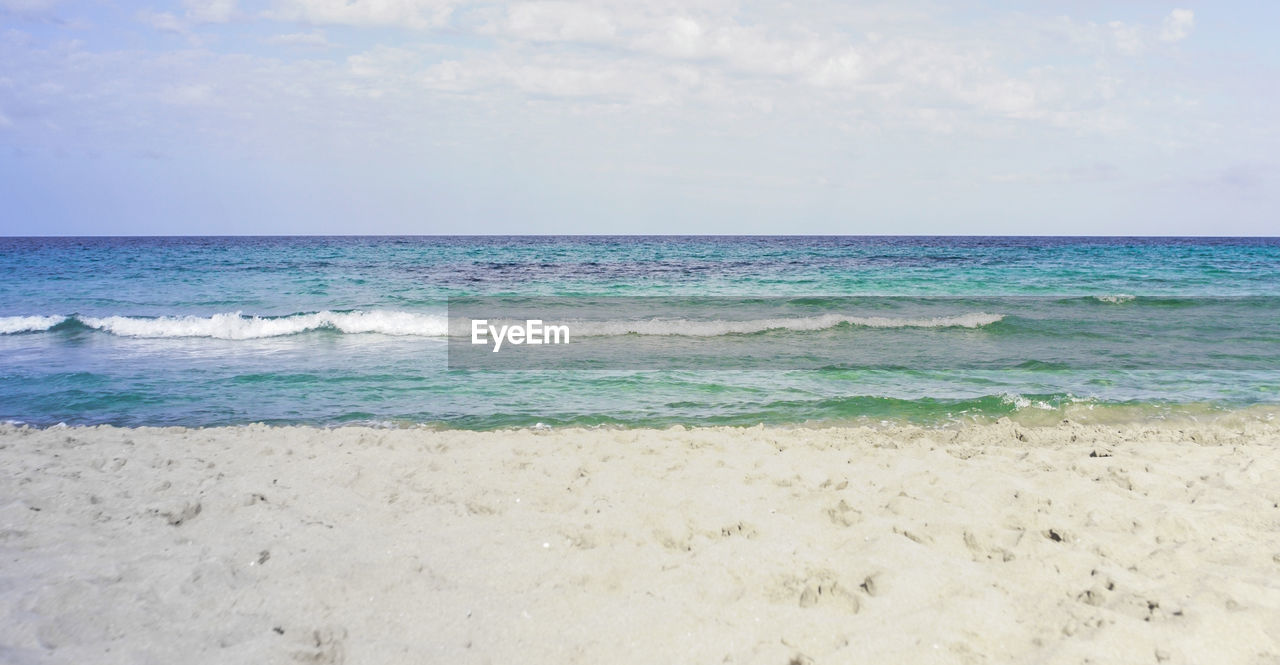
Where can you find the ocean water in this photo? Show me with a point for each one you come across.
(334, 330)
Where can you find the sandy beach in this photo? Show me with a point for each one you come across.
(998, 543)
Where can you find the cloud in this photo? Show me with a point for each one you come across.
(679, 58)
(198, 12)
(1177, 25)
(210, 11)
(1136, 39)
(188, 95)
(418, 14)
(652, 107)
(1115, 37)
(624, 82)
(27, 7)
(912, 67)
(1128, 39)
(315, 39)
(704, 64)
(558, 22)
(164, 22)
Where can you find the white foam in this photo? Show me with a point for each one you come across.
(1115, 299)
(1015, 400)
(716, 328)
(1021, 402)
(235, 325)
(20, 324)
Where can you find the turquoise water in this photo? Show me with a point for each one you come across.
(211, 331)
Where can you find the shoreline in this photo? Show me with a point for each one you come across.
(1144, 542)
(1141, 415)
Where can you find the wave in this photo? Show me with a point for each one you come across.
(1115, 299)
(10, 325)
(716, 328)
(238, 326)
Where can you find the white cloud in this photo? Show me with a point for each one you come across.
(1131, 39)
(1128, 39)
(549, 78)
(416, 14)
(690, 63)
(840, 69)
(164, 22)
(910, 63)
(210, 11)
(912, 67)
(315, 39)
(1177, 25)
(629, 104)
(558, 21)
(681, 37)
(188, 95)
(198, 12)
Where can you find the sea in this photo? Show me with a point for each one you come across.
(332, 331)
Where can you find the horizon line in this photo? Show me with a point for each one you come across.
(632, 235)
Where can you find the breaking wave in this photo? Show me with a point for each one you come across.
(235, 325)
(238, 326)
(10, 325)
(716, 328)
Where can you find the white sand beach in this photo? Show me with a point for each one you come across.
(1073, 543)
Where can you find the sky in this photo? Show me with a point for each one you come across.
(1052, 117)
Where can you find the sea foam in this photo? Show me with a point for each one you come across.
(19, 324)
(715, 328)
(236, 325)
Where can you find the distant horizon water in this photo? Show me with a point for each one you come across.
(106, 236)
